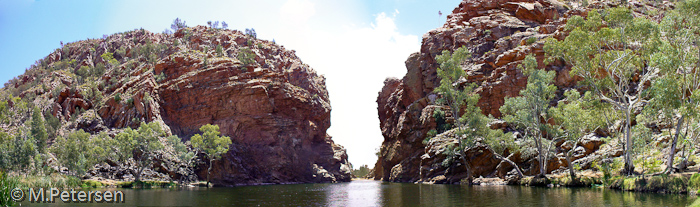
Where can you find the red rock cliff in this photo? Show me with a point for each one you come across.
(274, 107)
(499, 34)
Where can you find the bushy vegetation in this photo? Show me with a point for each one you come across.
(7, 184)
(472, 125)
(246, 56)
(361, 172)
(211, 144)
(626, 65)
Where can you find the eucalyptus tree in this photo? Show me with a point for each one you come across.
(610, 50)
(140, 144)
(527, 110)
(576, 118)
(675, 93)
(211, 144)
(455, 96)
(78, 152)
(459, 95)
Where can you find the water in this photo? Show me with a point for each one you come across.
(374, 193)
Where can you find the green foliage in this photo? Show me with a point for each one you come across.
(91, 184)
(160, 77)
(17, 151)
(449, 72)
(4, 112)
(246, 56)
(140, 144)
(526, 111)
(211, 144)
(178, 24)
(441, 121)
(361, 172)
(38, 130)
(130, 102)
(694, 182)
(531, 40)
(7, 184)
(55, 180)
(118, 97)
(109, 58)
(186, 156)
(83, 71)
(251, 33)
(219, 51)
(610, 50)
(53, 124)
(609, 167)
(78, 152)
(99, 70)
(151, 51)
(432, 133)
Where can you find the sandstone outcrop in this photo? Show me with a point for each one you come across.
(274, 107)
(499, 35)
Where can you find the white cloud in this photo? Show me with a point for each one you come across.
(297, 11)
(355, 61)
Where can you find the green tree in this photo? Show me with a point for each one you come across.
(109, 58)
(78, 152)
(527, 110)
(4, 112)
(211, 144)
(39, 130)
(361, 172)
(610, 50)
(450, 72)
(187, 157)
(676, 93)
(576, 119)
(472, 124)
(17, 151)
(140, 145)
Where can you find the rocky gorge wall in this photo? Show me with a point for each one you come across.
(499, 34)
(275, 108)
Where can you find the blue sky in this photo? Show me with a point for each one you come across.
(354, 44)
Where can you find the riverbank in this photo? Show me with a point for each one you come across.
(677, 183)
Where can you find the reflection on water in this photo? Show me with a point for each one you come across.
(373, 193)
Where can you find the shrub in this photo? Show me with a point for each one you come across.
(83, 71)
(178, 24)
(251, 32)
(694, 182)
(219, 51)
(130, 102)
(91, 184)
(99, 70)
(118, 97)
(160, 77)
(429, 136)
(441, 121)
(676, 185)
(7, 184)
(531, 40)
(246, 56)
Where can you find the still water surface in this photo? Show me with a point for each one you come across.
(374, 193)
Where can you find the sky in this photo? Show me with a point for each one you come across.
(356, 45)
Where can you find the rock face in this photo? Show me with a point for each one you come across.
(274, 107)
(499, 34)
